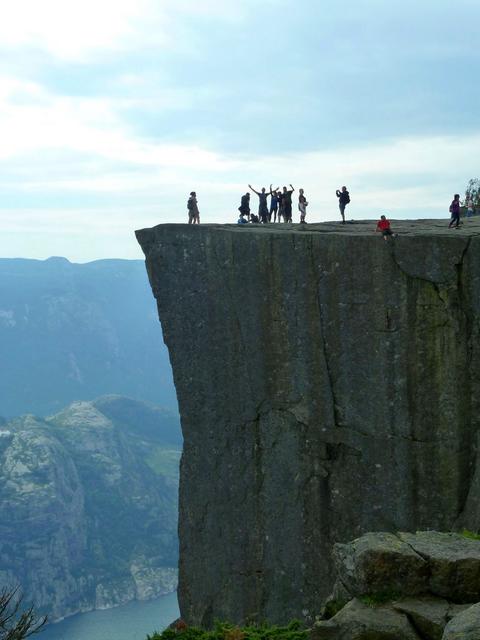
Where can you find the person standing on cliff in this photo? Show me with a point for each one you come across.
(274, 201)
(262, 203)
(192, 206)
(343, 199)
(244, 207)
(455, 212)
(302, 205)
(280, 206)
(287, 203)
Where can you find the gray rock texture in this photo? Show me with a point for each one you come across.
(328, 384)
(358, 621)
(375, 579)
(465, 626)
(453, 564)
(428, 615)
(379, 562)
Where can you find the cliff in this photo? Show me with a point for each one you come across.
(88, 505)
(328, 384)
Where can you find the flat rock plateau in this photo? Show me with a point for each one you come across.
(328, 384)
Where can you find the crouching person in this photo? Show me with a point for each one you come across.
(383, 225)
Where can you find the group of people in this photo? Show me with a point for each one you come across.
(281, 208)
(281, 205)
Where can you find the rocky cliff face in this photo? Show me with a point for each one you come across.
(88, 505)
(328, 385)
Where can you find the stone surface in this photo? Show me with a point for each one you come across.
(465, 626)
(427, 615)
(453, 563)
(380, 562)
(328, 385)
(358, 621)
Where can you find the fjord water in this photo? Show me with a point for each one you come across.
(131, 622)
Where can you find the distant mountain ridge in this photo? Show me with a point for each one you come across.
(78, 331)
(88, 505)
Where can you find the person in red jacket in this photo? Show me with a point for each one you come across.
(383, 225)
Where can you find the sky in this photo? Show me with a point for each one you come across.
(111, 112)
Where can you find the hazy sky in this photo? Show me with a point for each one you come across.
(111, 111)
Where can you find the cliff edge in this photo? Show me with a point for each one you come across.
(328, 384)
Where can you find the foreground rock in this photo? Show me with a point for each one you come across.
(380, 575)
(358, 621)
(442, 564)
(328, 386)
(465, 626)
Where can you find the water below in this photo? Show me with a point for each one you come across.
(131, 622)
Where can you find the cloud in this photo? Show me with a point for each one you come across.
(33, 120)
(66, 28)
(111, 112)
(76, 31)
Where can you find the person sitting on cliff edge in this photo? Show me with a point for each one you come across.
(383, 225)
(241, 219)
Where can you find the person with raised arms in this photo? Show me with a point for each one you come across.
(262, 203)
(287, 203)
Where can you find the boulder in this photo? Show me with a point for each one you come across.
(453, 561)
(428, 615)
(380, 563)
(465, 626)
(358, 621)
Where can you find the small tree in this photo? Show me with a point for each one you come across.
(472, 192)
(14, 623)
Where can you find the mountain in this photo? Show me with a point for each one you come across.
(88, 505)
(77, 331)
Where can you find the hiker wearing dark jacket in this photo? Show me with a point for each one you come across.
(287, 203)
(244, 207)
(343, 199)
(262, 203)
(274, 202)
(455, 212)
(280, 206)
(192, 206)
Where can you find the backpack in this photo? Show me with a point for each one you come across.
(347, 200)
(190, 204)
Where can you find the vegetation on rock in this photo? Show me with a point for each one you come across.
(225, 631)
